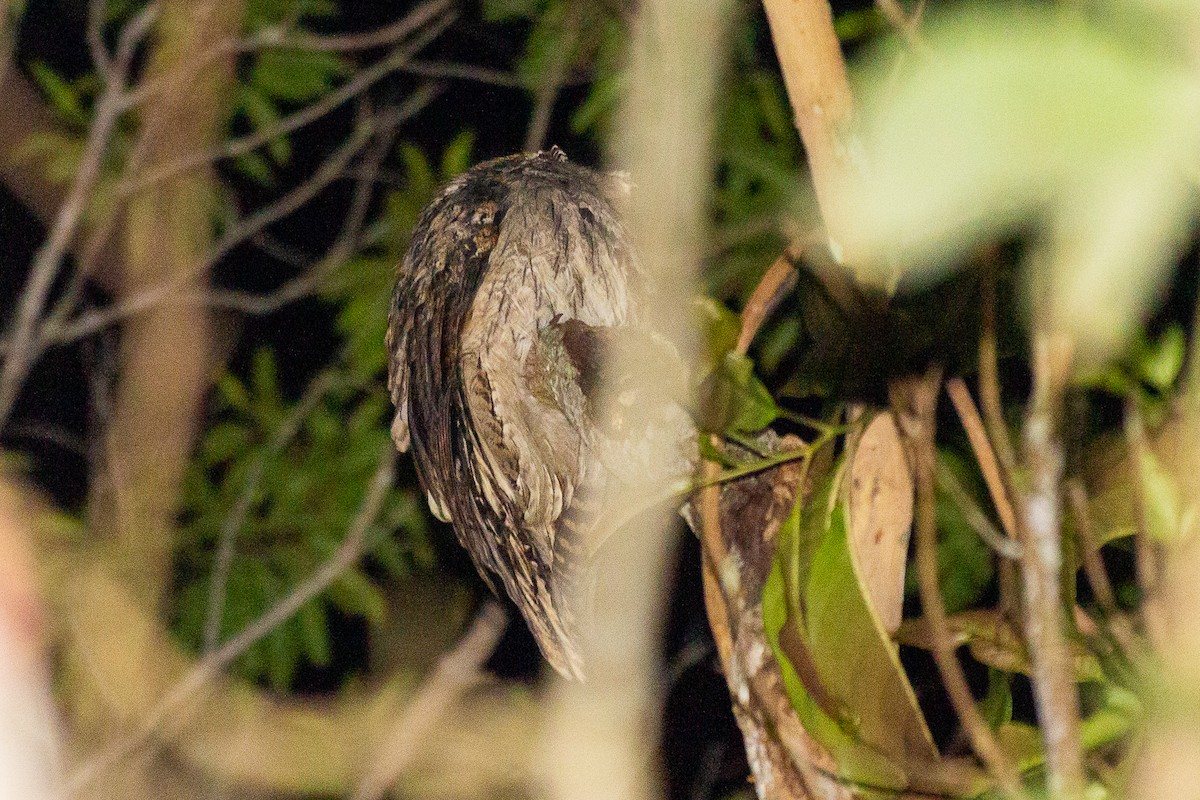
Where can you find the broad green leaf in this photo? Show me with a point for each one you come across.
(850, 692)
(736, 399)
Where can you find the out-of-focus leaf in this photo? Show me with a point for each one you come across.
(855, 25)
(1160, 363)
(315, 630)
(456, 157)
(63, 96)
(263, 115)
(234, 393)
(357, 595)
(1028, 117)
(57, 153)
(602, 99)
(720, 328)
(1162, 499)
(296, 76)
(256, 168)
(997, 705)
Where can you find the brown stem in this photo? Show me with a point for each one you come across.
(915, 405)
(1093, 567)
(992, 474)
(456, 672)
(989, 372)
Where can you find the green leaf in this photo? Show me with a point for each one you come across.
(876, 730)
(223, 441)
(296, 76)
(256, 168)
(1160, 363)
(234, 393)
(736, 400)
(59, 155)
(720, 328)
(599, 105)
(63, 96)
(456, 157)
(997, 705)
(354, 594)
(263, 116)
(1162, 499)
(315, 631)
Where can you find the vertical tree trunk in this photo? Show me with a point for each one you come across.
(165, 364)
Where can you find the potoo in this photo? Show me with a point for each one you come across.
(515, 277)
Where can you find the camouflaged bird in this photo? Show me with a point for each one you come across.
(514, 277)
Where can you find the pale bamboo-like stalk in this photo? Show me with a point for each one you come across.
(814, 73)
(1053, 670)
(600, 735)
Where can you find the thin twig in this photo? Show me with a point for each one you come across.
(466, 72)
(778, 280)
(23, 343)
(989, 371)
(305, 116)
(209, 667)
(236, 518)
(333, 168)
(1093, 567)
(915, 405)
(907, 26)
(552, 80)
(95, 38)
(380, 37)
(1004, 546)
(968, 415)
(1052, 664)
(456, 673)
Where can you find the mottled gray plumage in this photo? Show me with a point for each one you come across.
(514, 275)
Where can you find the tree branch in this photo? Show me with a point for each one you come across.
(456, 673)
(23, 347)
(205, 670)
